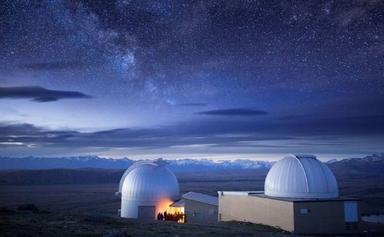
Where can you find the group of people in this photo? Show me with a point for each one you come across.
(169, 216)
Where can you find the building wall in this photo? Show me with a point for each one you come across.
(315, 217)
(130, 208)
(322, 218)
(198, 212)
(257, 210)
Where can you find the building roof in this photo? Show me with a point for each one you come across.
(338, 199)
(156, 163)
(149, 181)
(239, 193)
(261, 194)
(301, 176)
(199, 197)
(179, 203)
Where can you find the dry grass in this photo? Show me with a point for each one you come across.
(24, 223)
(90, 210)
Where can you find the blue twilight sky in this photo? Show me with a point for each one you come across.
(191, 79)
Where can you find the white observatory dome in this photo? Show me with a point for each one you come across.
(147, 188)
(298, 176)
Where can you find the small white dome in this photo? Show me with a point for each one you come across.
(147, 184)
(298, 176)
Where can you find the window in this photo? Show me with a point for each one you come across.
(211, 212)
(350, 212)
(305, 210)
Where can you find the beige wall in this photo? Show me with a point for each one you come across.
(323, 218)
(198, 212)
(257, 210)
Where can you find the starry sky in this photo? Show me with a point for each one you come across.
(191, 79)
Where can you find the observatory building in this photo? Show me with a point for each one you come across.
(300, 195)
(150, 191)
(147, 188)
(200, 208)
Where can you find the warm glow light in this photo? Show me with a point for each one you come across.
(163, 205)
(175, 211)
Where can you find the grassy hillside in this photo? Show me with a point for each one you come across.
(77, 209)
(41, 223)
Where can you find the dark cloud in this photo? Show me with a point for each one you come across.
(213, 133)
(18, 129)
(234, 112)
(177, 135)
(53, 65)
(39, 94)
(193, 104)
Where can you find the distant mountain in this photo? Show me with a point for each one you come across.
(372, 165)
(60, 176)
(206, 165)
(80, 162)
(75, 162)
(96, 170)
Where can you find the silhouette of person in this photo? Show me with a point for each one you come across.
(165, 215)
(158, 216)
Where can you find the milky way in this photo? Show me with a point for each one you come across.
(191, 78)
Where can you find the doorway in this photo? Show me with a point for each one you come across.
(146, 213)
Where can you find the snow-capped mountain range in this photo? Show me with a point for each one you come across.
(371, 162)
(77, 162)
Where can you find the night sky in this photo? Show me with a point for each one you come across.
(191, 79)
